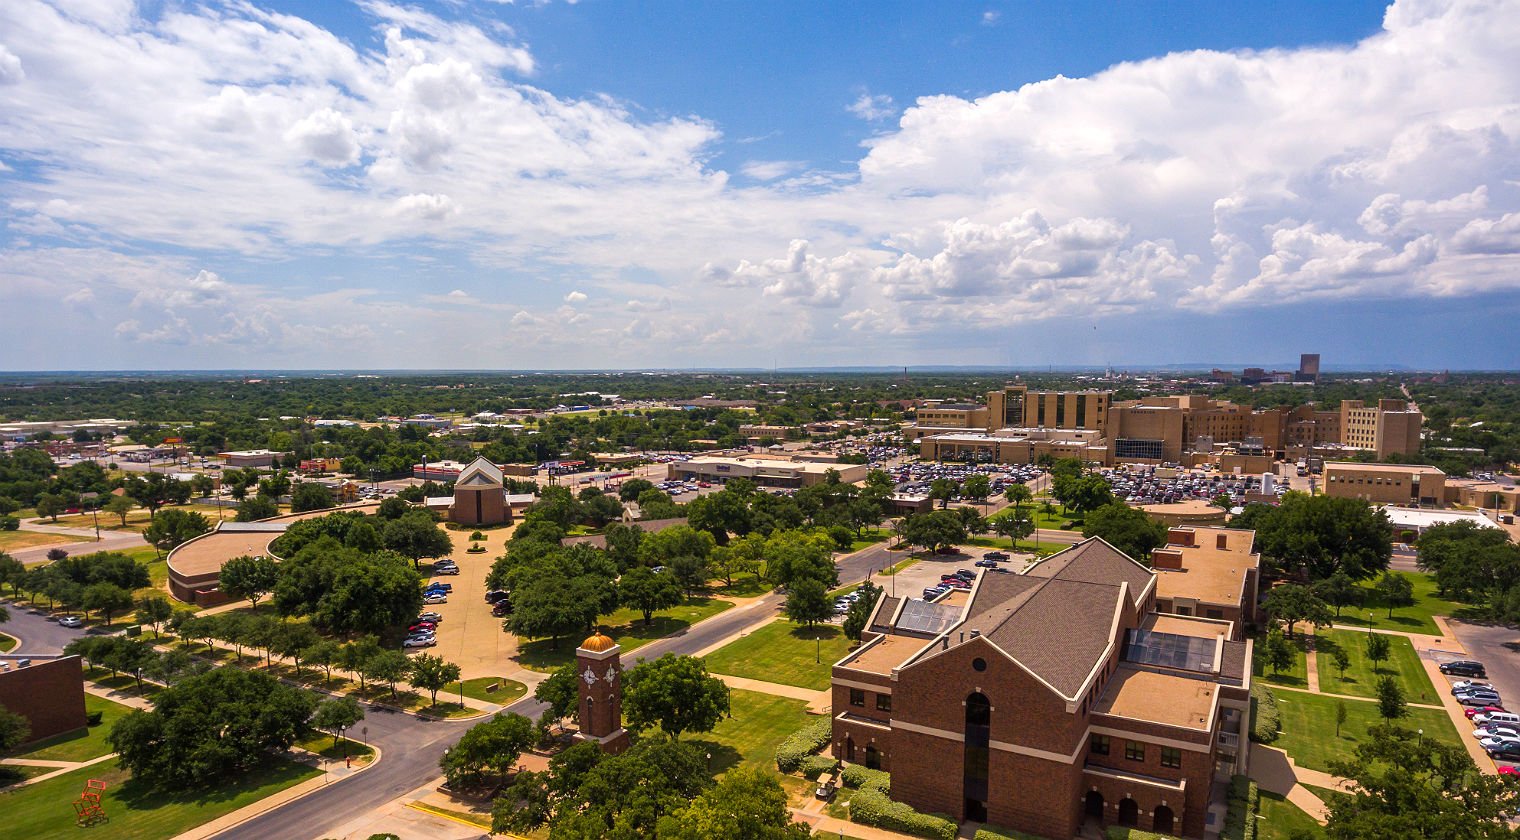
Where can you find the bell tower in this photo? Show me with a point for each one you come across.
(600, 680)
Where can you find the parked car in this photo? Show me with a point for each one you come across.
(1465, 668)
(1471, 692)
(494, 595)
(1498, 718)
(1496, 730)
(957, 583)
(422, 625)
(1491, 744)
(932, 592)
(71, 621)
(1508, 770)
(429, 616)
(435, 598)
(412, 642)
(445, 570)
(995, 555)
(502, 607)
(965, 575)
(1473, 711)
(438, 584)
(1466, 685)
(1484, 699)
(984, 563)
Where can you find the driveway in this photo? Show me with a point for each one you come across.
(1498, 648)
(39, 635)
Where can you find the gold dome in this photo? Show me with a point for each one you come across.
(598, 643)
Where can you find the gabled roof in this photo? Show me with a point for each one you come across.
(480, 473)
(1095, 561)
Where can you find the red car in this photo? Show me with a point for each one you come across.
(1478, 710)
(422, 625)
(1508, 770)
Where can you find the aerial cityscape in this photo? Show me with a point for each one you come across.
(438, 420)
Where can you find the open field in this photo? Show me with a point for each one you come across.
(1403, 664)
(13, 540)
(1308, 727)
(783, 652)
(1415, 619)
(760, 722)
(135, 810)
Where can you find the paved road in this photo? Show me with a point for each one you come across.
(109, 541)
(1498, 648)
(38, 635)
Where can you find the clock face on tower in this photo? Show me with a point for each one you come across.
(589, 676)
(611, 676)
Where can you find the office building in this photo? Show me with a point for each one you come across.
(1391, 427)
(764, 472)
(1386, 484)
(1052, 702)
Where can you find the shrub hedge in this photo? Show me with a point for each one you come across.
(1266, 720)
(802, 743)
(856, 776)
(1244, 801)
(989, 833)
(870, 807)
(814, 766)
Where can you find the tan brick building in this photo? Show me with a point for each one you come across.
(1209, 572)
(1386, 484)
(1389, 428)
(1047, 700)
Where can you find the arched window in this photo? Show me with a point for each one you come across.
(978, 756)
(1129, 812)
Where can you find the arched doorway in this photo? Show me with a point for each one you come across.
(978, 755)
(1093, 805)
(873, 758)
(1129, 812)
(1161, 823)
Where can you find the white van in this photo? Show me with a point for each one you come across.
(1506, 718)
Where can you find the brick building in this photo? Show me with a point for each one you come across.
(1386, 484)
(1209, 572)
(1045, 700)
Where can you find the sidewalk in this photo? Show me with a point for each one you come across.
(1274, 771)
(795, 692)
(1275, 687)
(333, 771)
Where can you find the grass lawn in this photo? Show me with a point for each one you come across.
(871, 537)
(12, 773)
(12, 540)
(783, 652)
(475, 689)
(1415, 619)
(81, 744)
(137, 518)
(120, 682)
(322, 744)
(1295, 676)
(1308, 727)
(746, 585)
(760, 722)
(1281, 819)
(7, 642)
(1043, 549)
(137, 811)
(627, 627)
(1403, 664)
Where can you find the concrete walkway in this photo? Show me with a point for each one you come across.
(792, 691)
(1350, 696)
(1311, 661)
(1273, 770)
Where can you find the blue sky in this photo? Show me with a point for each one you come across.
(598, 184)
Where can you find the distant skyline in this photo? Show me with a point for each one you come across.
(601, 185)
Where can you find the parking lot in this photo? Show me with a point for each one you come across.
(1156, 485)
(468, 634)
(910, 582)
(1498, 648)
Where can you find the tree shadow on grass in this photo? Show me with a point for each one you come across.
(139, 795)
(724, 756)
(826, 632)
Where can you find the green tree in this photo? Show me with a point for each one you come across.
(1340, 715)
(293, 640)
(662, 547)
(934, 529)
(674, 692)
(324, 654)
(175, 527)
(977, 488)
(1402, 784)
(431, 673)
(1338, 590)
(1377, 649)
(793, 555)
(311, 495)
(108, 599)
(807, 602)
(561, 690)
(1317, 535)
(210, 727)
(1015, 525)
(15, 730)
(390, 667)
(153, 610)
(416, 535)
(547, 608)
(13, 572)
(1394, 590)
(942, 490)
(642, 589)
(1087, 493)
(1279, 651)
(748, 803)
(1342, 660)
(50, 505)
(120, 506)
(489, 750)
(335, 715)
(860, 611)
(249, 577)
(1390, 698)
(356, 658)
(1291, 603)
(257, 507)
(630, 489)
(1128, 529)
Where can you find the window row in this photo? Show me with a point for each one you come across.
(1134, 750)
(858, 699)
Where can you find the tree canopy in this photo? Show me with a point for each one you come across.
(674, 693)
(1316, 536)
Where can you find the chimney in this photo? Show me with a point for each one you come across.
(975, 633)
(1166, 558)
(1181, 536)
